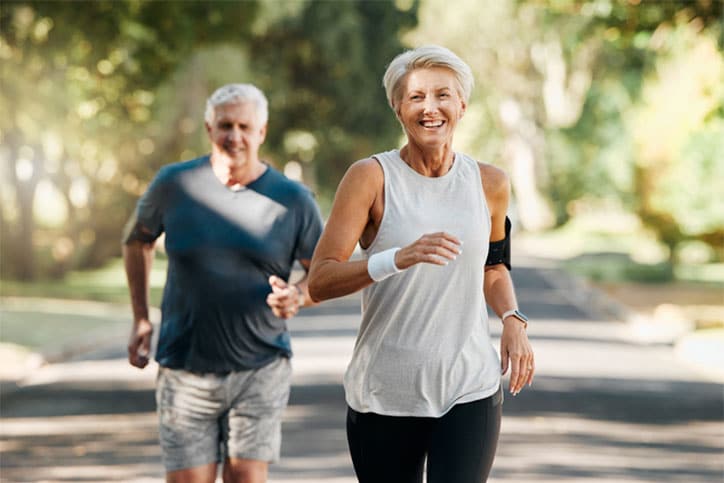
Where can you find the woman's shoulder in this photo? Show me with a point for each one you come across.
(366, 168)
(489, 173)
(363, 180)
(495, 180)
(492, 172)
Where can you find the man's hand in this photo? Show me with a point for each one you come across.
(516, 351)
(284, 300)
(139, 344)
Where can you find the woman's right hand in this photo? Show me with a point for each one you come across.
(437, 248)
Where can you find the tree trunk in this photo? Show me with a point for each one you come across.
(522, 154)
(21, 257)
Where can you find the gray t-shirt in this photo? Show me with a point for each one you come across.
(222, 246)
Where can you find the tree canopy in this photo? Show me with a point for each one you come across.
(597, 101)
(102, 93)
(582, 101)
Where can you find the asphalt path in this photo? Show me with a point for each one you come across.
(602, 407)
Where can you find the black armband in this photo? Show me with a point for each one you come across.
(499, 251)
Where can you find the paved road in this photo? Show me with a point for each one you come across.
(602, 408)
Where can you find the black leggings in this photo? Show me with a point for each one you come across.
(459, 446)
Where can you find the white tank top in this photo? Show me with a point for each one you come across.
(424, 343)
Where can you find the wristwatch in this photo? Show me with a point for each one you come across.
(517, 314)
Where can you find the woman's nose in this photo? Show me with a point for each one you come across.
(430, 104)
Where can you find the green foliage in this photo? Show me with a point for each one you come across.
(597, 86)
(79, 86)
(648, 134)
(100, 94)
(323, 65)
(676, 127)
(697, 201)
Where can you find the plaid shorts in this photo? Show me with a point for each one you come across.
(205, 418)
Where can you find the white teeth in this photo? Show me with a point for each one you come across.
(432, 123)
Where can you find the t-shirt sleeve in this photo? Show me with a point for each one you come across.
(310, 228)
(146, 222)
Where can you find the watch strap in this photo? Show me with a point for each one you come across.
(515, 313)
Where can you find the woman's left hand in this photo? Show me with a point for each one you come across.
(284, 300)
(516, 353)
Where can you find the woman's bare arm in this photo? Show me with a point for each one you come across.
(515, 349)
(331, 274)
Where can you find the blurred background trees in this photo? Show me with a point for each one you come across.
(79, 85)
(615, 104)
(590, 105)
(99, 95)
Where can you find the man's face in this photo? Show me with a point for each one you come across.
(236, 133)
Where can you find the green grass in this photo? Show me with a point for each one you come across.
(42, 330)
(612, 248)
(710, 273)
(613, 267)
(107, 284)
(41, 325)
(597, 250)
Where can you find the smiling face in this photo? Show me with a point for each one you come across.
(236, 134)
(430, 106)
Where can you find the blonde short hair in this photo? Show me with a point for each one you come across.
(426, 57)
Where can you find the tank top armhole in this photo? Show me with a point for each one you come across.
(385, 177)
(483, 198)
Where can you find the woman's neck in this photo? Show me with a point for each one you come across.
(430, 163)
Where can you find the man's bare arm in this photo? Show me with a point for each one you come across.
(138, 260)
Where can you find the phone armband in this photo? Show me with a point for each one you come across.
(499, 251)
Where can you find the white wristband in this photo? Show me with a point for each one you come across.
(382, 265)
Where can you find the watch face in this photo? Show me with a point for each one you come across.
(521, 315)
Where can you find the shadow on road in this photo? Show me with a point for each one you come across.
(75, 431)
(601, 409)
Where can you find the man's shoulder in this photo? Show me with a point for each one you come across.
(286, 188)
(187, 165)
(174, 169)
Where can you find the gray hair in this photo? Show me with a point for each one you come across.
(426, 57)
(231, 93)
